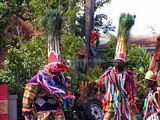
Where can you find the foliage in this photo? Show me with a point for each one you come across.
(138, 57)
(73, 80)
(93, 74)
(101, 23)
(45, 12)
(7, 9)
(70, 46)
(100, 3)
(49, 20)
(126, 21)
(22, 64)
(70, 18)
(26, 60)
(139, 60)
(5, 14)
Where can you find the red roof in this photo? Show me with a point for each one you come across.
(144, 40)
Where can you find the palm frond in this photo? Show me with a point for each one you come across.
(126, 21)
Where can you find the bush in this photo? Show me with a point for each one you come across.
(22, 64)
(138, 60)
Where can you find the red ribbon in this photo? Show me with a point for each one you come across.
(93, 36)
(154, 58)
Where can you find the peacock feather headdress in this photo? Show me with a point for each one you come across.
(126, 21)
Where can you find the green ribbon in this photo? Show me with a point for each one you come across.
(110, 110)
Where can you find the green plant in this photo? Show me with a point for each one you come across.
(93, 74)
(5, 15)
(70, 46)
(138, 60)
(22, 64)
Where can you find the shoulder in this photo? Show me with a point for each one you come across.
(34, 78)
(129, 72)
(32, 86)
(107, 71)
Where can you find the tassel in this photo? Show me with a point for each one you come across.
(158, 98)
(57, 111)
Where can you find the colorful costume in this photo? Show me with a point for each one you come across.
(120, 85)
(120, 90)
(152, 105)
(152, 102)
(45, 94)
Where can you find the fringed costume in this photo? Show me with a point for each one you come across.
(152, 102)
(120, 91)
(152, 106)
(45, 95)
(118, 102)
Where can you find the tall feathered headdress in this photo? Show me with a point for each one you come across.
(126, 22)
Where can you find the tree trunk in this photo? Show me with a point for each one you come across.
(89, 24)
(6, 2)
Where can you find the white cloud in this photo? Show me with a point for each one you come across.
(146, 11)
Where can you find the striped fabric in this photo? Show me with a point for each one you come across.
(150, 106)
(116, 103)
(29, 95)
(100, 82)
(36, 100)
(154, 58)
(31, 91)
(51, 115)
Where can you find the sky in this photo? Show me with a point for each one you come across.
(147, 14)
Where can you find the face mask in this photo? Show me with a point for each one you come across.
(152, 85)
(120, 66)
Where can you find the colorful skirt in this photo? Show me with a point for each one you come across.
(51, 115)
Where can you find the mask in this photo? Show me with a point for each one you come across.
(120, 65)
(152, 85)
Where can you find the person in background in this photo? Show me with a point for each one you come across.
(152, 102)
